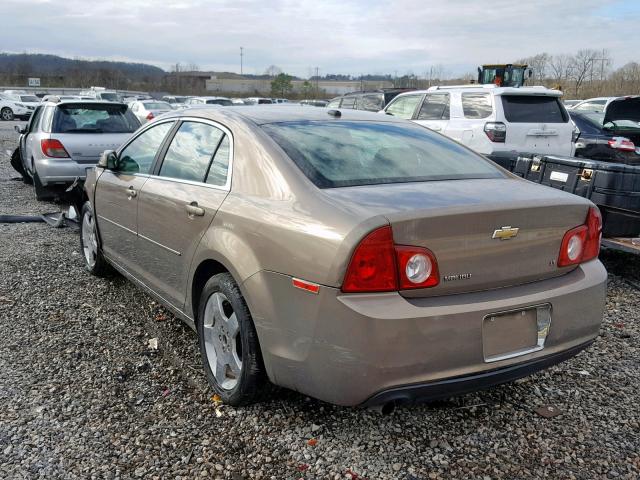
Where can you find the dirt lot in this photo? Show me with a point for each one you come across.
(82, 395)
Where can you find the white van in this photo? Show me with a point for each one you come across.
(490, 119)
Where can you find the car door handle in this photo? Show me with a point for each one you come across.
(194, 210)
(436, 129)
(131, 193)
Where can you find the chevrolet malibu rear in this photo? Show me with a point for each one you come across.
(353, 257)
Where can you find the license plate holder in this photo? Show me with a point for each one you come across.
(513, 333)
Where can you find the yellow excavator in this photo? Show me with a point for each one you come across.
(504, 75)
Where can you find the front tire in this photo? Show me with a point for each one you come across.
(6, 114)
(94, 261)
(228, 342)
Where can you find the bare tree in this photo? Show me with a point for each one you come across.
(540, 65)
(581, 65)
(560, 68)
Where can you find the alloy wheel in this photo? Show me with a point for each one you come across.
(222, 341)
(89, 241)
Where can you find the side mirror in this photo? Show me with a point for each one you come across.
(20, 130)
(108, 160)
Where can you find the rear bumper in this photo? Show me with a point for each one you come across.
(347, 348)
(61, 170)
(470, 383)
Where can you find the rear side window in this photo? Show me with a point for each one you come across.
(191, 151)
(533, 109)
(343, 153)
(435, 107)
(94, 118)
(371, 103)
(476, 105)
(219, 169)
(404, 107)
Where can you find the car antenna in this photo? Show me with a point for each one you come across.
(335, 113)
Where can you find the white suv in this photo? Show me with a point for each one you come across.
(490, 119)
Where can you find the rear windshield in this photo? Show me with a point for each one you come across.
(343, 153)
(533, 109)
(94, 118)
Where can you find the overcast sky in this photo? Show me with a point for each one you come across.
(338, 36)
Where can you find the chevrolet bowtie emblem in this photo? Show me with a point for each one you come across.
(505, 233)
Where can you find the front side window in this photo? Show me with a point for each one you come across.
(335, 103)
(347, 153)
(533, 109)
(138, 156)
(435, 107)
(190, 152)
(476, 105)
(404, 107)
(94, 118)
(349, 102)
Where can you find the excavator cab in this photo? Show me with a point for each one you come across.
(504, 75)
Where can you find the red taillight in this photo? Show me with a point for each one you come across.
(621, 143)
(53, 148)
(150, 116)
(496, 131)
(582, 243)
(378, 265)
(373, 265)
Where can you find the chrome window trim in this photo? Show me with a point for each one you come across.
(226, 187)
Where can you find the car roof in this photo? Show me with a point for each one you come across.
(260, 114)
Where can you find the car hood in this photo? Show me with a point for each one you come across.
(623, 108)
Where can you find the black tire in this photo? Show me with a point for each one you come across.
(16, 163)
(6, 114)
(252, 380)
(42, 193)
(99, 267)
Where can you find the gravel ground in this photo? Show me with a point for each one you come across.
(82, 395)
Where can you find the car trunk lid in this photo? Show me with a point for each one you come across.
(485, 234)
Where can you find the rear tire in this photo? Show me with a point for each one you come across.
(228, 341)
(16, 163)
(6, 114)
(94, 261)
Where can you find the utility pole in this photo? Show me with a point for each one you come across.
(317, 83)
(241, 55)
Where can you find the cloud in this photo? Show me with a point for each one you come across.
(345, 36)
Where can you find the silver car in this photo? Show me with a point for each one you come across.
(63, 139)
(147, 110)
